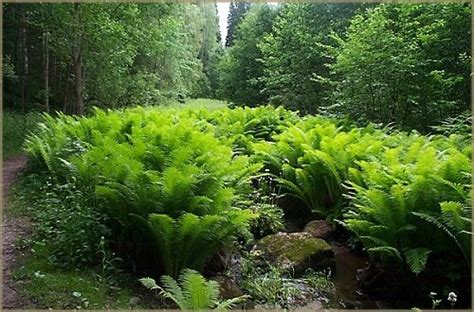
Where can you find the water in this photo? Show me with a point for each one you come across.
(347, 291)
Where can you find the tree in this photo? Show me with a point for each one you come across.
(295, 52)
(242, 68)
(236, 12)
(405, 64)
(71, 57)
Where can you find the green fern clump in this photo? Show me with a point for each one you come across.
(312, 158)
(244, 126)
(192, 292)
(412, 203)
(143, 164)
(55, 140)
(171, 181)
(161, 173)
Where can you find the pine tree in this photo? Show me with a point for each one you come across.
(236, 13)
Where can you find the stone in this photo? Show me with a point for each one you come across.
(228, 287)
(319, 229)
(311, 306)
(297, 250)
(134, 301)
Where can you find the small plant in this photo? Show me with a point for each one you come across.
(435, 302)
(192, 291)
(452, 298)
(275, 288)
(263, 201)
(66, 221)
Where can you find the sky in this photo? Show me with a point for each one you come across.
(223, 11)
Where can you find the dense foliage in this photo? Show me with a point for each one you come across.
(407, 64)
(237, 11)
(15, 128)
(178, 185)
(404, 64)
(374, 153)
(242, 67)
(68, 57)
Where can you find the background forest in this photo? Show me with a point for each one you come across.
(390, 63)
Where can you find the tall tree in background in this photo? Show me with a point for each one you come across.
(295, 52)
(406, 64)
(236, 13)
(241, 70)
(71, 57)
(211, 49)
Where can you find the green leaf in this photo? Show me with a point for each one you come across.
(417, 258)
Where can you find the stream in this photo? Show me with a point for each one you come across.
(347, 292)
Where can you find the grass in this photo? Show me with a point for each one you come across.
(48, 286)
(199, 103)
(15, 128)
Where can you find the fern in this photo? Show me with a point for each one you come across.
(192, 292)
(417, 258)
(189, 241)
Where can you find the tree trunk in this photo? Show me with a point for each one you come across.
(24, 76)
(66, 91)
(46, 70)
(77, 61)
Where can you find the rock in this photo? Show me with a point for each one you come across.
(319, 229)
(310, 306)
(297, 250)
(228, 287)
(134, 301)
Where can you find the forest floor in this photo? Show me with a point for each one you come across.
(15, 227)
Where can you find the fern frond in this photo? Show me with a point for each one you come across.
(417, 258)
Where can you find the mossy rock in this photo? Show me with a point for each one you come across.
(298, 250)
(319, 229)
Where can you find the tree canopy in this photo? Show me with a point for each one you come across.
(401, 64)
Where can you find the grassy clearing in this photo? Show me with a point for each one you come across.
(209, 104)
(15, 128)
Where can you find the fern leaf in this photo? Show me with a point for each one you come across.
(149, 283)
(417, 258)
(230, 303)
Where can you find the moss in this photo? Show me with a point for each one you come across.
(296, 247)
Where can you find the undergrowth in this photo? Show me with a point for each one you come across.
(168, 188)
(16, 126)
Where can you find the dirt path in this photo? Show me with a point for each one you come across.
(13, 229)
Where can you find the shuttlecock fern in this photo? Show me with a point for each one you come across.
(192, 291)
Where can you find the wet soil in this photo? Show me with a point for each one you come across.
(14, 228)
(345, 280)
